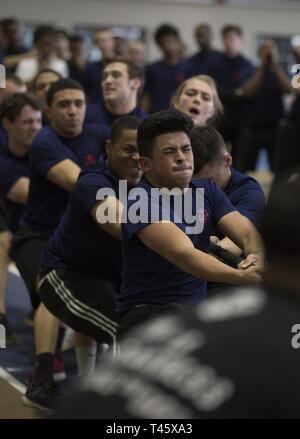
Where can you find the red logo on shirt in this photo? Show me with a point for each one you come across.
(203, 215)
(89, 158)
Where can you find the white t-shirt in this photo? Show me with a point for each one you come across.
(28, 68)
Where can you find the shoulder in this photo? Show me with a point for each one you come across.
(97, 129)
(243, 181)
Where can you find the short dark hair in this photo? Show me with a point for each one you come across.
(43, 32)
(163, 122)
(76, 38)
(232, 28)
(7, 22)
(207, 144)
(41, 72)
(13, 104)
(62, 84)
(123, 123)
(163, 31)
(280, 223)
(134, 71)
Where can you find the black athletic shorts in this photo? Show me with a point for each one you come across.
(83, 301)
(26, 250)
(141, 313)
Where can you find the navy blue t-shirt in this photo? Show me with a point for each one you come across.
(148, 278)
(161, 81)
(202, 62)
(265, 109)
(12, 168)
(247, 196)
(78, 242)
(93, 78)
(98, 114)
(47, 201)
(231, 73)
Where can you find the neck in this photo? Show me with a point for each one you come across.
(64, 134)
(121, 108)
(205, 49)
(172, 59)
(17, 149)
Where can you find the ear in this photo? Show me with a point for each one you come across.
(136, 83)
(228, 159)
(145, 164)
(108, 147)
(6, 123)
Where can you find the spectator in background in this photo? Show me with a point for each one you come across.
(103, 40)
(13, 49)
(120, 46)
(163, 77)
(121, 83)
(230, 72)
(201, 62)
(137, 53)
(77, 62)
(62, 44)
(42, 82)
(198, 98)
(44, 43)
(263, 109)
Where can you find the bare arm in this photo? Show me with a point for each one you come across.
(64, 174)
(166, 239)
(252, 86)
(111, 208)
(242, 232)
(18, 193)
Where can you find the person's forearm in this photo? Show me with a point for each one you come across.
(252, 244)
(283, 79)
(252, 86)
(206, 267)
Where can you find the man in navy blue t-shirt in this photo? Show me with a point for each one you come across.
(201, 62)
(230, 72)
(264, 109)
(22, 119)
(164, 76)
(56, 157)
(81, 266)
(165, 260)
(121, 83)
(212, 161)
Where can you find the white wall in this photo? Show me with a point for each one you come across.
(66, 13)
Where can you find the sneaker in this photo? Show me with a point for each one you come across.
(42, 395)
(59, 373)
(11, 338)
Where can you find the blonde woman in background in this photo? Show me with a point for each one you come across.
(198, 98)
